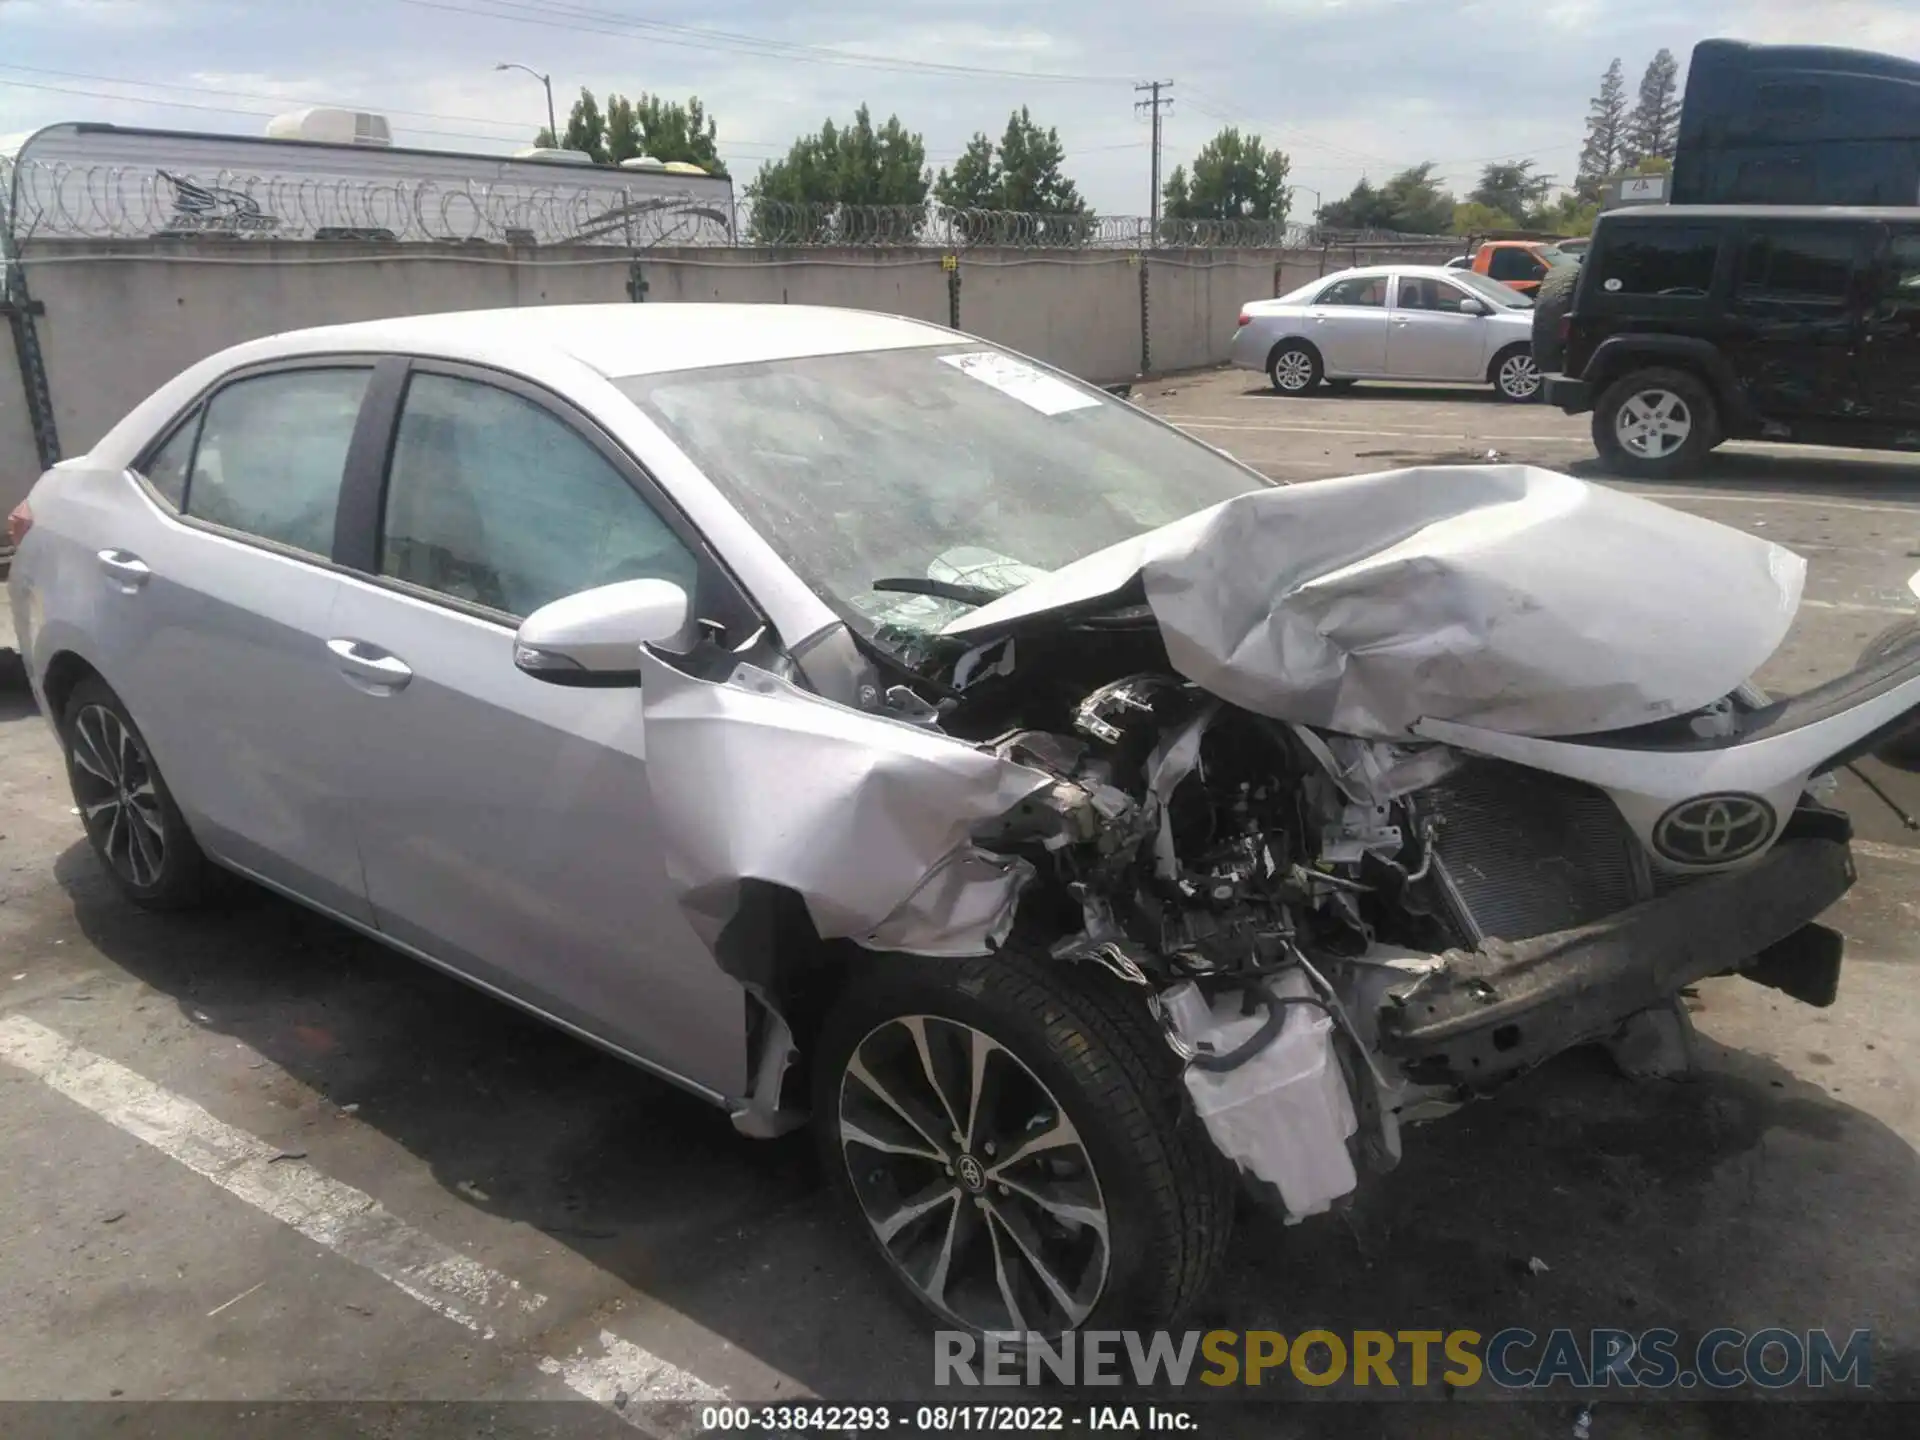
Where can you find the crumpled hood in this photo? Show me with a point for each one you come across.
(1502, 596)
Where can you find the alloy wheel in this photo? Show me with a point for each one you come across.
(1519, 377)
(113, 781)
(972, 1177)
(1293, 370)
(1653, 424)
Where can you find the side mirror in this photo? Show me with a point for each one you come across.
(1475, 307)
(594, 638)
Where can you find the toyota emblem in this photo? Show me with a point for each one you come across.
(1714, 829)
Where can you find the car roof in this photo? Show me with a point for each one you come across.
(619, 339)
(1906, 213)
(1368, 272)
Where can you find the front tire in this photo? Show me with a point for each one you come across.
(1294, 368)
(1655, 424)
(1013, 1136)
(131, 820)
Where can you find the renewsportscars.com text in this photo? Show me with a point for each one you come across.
(1511, 1359)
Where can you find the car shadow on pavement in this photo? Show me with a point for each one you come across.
(16, 696)
(1466, 392)
(1742, 1197)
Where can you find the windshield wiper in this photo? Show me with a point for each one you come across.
(939, 589)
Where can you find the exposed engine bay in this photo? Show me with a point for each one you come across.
(1373, 816)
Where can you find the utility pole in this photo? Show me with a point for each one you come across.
(1153, 106)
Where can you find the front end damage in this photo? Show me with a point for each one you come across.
(1342, 918)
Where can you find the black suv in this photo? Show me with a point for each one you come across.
(1694, 324)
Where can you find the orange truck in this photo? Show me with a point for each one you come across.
(1521, 264)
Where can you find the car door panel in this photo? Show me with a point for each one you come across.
(1889, 370)
(224, 667)
(507, 824)
(1426, 340)
(1350, 335)
(1795, 319)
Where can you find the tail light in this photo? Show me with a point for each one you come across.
(18, 523)
(1245, 318)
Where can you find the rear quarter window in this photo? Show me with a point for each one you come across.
(1667, 260)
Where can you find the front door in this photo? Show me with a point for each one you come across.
(227, 602)
(1796, 318)
(1517, 267)
(506, 822)
(1347, 322)
(1428, 338)
(1890, 348)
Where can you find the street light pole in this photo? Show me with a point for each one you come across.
(553, 129)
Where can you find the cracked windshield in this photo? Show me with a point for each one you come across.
(959, 471)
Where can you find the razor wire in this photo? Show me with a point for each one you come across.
(56, 200)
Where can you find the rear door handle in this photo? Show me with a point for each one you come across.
(125, 568)
(369, 666)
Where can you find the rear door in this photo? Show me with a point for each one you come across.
(507, 824)
(1347, 322)
(1428, 338)
(219, 610)
(1796, 316)
(1890, 345)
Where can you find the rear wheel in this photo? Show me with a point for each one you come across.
(130, 816)
(1294, 367)
(1653, 424)
(1013, 1137)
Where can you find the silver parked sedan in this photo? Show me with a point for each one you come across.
(1392, 322)
(855, 723)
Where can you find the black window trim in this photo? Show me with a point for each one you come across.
(722, 597)
(194, 412)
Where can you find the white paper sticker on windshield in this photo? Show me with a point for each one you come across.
(1029, 386)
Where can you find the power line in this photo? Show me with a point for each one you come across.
(777, 147)
(600, 22)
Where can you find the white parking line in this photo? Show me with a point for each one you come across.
(1849, 605)
(347, 1221)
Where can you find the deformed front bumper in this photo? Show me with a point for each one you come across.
(1508, 1005)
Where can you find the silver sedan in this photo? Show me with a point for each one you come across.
(1393, 322)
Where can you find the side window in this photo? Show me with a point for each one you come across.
(271, 454)
(1671, 260)
(1899, 297)
(1510, 262)
(494, 500)
(1798, 266)
(166, 468)
(1366, 290)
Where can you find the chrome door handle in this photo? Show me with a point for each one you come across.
(125, 568)
(370, 665)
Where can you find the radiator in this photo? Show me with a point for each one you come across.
(1525, 853)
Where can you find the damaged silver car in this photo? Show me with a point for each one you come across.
(858, 724)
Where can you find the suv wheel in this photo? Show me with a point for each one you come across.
(1655, 423)
(1013, 1136)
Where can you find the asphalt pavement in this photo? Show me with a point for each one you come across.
(251, 1157)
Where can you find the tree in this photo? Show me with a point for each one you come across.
(1569, 215)
(1654, 125)
(1235, 177)
(652, 125)
(1411, 202)
(1474, 217)
(1600, 155)
(840, 166)
(1021, 175)
(1512, 188)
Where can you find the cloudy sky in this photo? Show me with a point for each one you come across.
(1346, 87)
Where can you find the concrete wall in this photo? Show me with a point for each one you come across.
(121, 320)
(19, 462)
